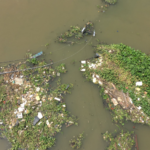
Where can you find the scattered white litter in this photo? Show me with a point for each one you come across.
(94, 33)
(64, 105)
(56, 98)
(92, 66)
(139, 108)
(19, 115)
(20, 109)
(1, 122)
(71, 122)
(31, 96)
(131, 100)
(97, 76)
(83, 62)
(37, 98)
(94, 80)
(18, 81)
(105, 91)
(15, 112)
(138, 99)
(139, 83)
(47, 122)
(83, 70)
(40, 116)
(114, 101)
(83, 30)
(101, 83)
(58, 74)
(39, 123)
(37, 89)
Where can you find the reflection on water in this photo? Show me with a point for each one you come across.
(32, 24)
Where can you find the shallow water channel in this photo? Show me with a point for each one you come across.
(29, 25)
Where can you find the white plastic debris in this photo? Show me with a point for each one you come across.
(21, 109)
(39, 123)
(92, 66)
(131, 100)
(139, 83)
(94, 33)
(37, 89)
(15, 112)
(94, 80)
(19, 115)
(31, 96)
(71, 122)
(83, 62)
(23, 104)
(58, 74)
(83, 30)
(82, 66)
(62, 114)
(37, 98)
(114, 101)
(56, 98)
(101, 83)
(64, 105)
(48, 124)
(21, 76)
(83, 70)
(18, 81)
(138, 99)
(40, 116)
(1, 122)
(139, 108)
(137, 89)
(97, 76)
(105, 91)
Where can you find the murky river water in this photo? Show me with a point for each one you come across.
(30, 25)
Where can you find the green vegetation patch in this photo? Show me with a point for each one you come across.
(32, 111)
(111, 1)
(121, 141)
(76, 33)
(117, 70)
(76, 142)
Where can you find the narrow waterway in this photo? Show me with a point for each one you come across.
(29, 25)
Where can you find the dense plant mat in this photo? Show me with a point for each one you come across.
(32, 111)
(121, 141)
(76, 32)
(76, 142)
(111, 1)
(118, 68)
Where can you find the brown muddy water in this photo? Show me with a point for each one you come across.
(30, 25)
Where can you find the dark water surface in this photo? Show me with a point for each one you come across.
(30, 25)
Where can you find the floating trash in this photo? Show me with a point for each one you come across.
(37, 55)
(139, 83)
(18, 81)
(36, 120)
(58, 99)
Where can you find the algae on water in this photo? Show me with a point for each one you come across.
(32, 111)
